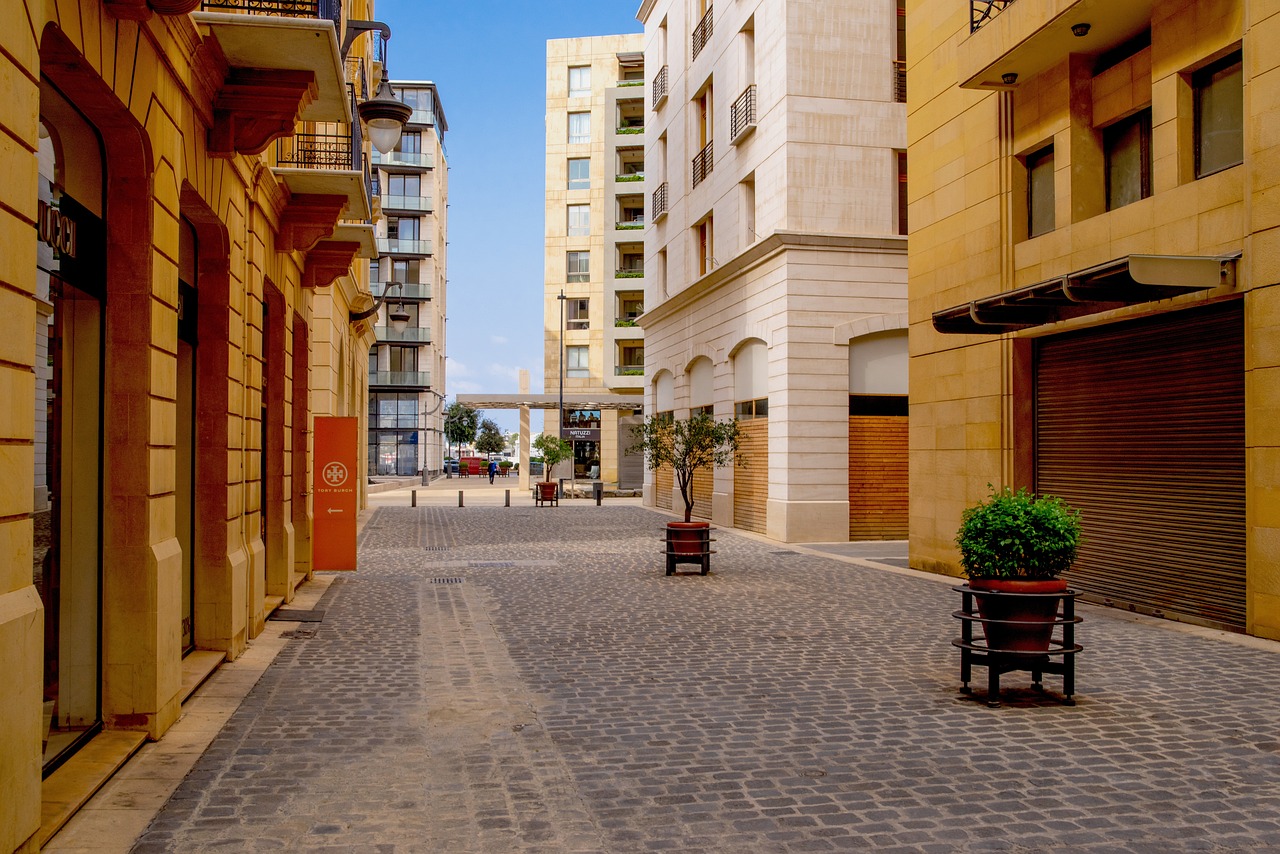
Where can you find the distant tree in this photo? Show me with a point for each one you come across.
(460, 423)
(490, 439)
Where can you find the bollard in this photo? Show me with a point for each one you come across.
(598, 488)
(413, 498)
(508, 501)
(459, 497)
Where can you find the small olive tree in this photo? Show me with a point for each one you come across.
(554, 450)
(687, 445)
(489, 439)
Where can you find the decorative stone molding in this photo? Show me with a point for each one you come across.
(256, 106)
(327, 262)
(307, 219)
(846, 332)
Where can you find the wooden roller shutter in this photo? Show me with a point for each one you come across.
(1141, 426)
(663, 482)
(878, 477)
(703, 479)
(751, 481)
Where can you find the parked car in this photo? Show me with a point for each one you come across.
(451, 466)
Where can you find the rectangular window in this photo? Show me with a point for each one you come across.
(630, 355)
(405, 271)
(1127, 145)
(402, 228)
(577, 266)
(579, 173)
(577, 313)
(579, 220)
(579, 81)
(1219, 120)
(748, 409)
(901, 157)
(404, 185)
(404, 358)
(579, 128)
(575, 362)
(704, 235)
(1040, 200)
(410, 143)
(630, 305)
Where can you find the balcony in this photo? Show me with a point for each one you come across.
(659, 202)
(326, 180)
(702, 32)
(398, 246)
(660, 87)
(400, 379)
(899, 81)
(703, 164)
(328, 10)
(410, 335)
(408, 290)
(982, 11)
(628, 370)
(418, 204)
(407, 159)
(629, 272)
(742, 115)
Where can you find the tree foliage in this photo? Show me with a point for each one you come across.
(460, 423)
(489, 439)
(685, 446)
(1017, 535)
(554, 450)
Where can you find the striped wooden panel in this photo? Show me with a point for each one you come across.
(878, 508)
(662, 485)
(703, 479)
(751, 481)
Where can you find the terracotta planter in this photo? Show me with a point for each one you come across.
(546, 491)
(1023, 623)
(688, 538)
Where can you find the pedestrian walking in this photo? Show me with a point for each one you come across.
(493, 469)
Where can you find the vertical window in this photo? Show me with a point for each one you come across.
(579, 173)
(577, 266)
(1219, 120)
(900, 57)
(579, 220)
(410, 143)
(579, 81)
(747, 212)
(1127, 145)
(1040, 200)
(579, 128)
(576, 363)
(577, 313)
(402, 228)
(704, 235)
(901, 158)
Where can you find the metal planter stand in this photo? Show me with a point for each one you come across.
(975, 652)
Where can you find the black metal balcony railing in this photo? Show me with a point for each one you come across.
(659, 203)
(318, 151)
(324, 10)
(660, 86)
(703, 164)
(982, 11)
(742, 115)
(702, 32)
(900, 81)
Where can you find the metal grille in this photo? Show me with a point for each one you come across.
(703, 164)
(327, 10)
(702, 32)
(900, 81)
(446, 580)
(742, 115)
(1141, 426)
(660, 201)
(316, 151)
(982, 11)
(660, 85)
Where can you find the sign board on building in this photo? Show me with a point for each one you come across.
(334, 493)
(582, 434)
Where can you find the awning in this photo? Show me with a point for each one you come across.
(1126, 281)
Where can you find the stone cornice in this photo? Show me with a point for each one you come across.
(761, 251)
(646, 9)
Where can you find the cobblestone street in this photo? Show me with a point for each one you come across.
(527, 680)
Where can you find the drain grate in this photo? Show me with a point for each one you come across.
(435, 548)
(293, 615)
(491, 564)
(784, 552)
(454, 580)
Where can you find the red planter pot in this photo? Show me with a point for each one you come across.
(1020, 623)
(688, 538)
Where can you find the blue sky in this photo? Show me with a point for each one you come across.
(488, 58)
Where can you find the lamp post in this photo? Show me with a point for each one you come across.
(560, 411)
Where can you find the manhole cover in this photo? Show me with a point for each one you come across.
(446, 581)
(293, 615)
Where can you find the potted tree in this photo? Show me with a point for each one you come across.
(685, 446)
(554, 450)
(1016, 542)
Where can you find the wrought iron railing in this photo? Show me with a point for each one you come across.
(900, 81)
(742, 115)
(659, 202)
(324, 10)
(702, 32)
(982, 11)
(660, 86)
(703, 164)
(318, 151)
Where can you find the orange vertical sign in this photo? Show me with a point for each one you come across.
(334, 496)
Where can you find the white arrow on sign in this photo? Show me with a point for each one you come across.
(331, 510)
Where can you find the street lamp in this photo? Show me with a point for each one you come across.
(399, 317)
(560, 411)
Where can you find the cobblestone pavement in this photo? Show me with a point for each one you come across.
(527, 680)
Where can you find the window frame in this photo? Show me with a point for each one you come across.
(579, 92)
(1201, 80)
(1033, 161)
(1110, 135)
(577, 371)
(582, 230)
(577, 272)
(584, 136)
(581, 183)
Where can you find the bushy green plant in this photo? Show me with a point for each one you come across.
(1018, 535)
(553, 450)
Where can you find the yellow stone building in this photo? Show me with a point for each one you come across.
(185, 192)
(1094, 252)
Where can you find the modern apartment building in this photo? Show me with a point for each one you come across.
(407, 364)
(186, 214)
(776, 256)
(596, 188)
(1094, 305)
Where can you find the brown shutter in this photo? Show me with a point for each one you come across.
(751, 481)
(1141, 426)
(703, 480)
(663, 483)
(878, 507)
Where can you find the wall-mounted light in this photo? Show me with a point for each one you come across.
(399, 317)
(384, 114)
(1080, 30)
(1009, 78)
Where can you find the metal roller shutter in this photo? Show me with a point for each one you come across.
(751, 481)
(703, 479)
(663, 483)
(878, 507)
(1141, 426)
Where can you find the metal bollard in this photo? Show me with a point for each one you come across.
(598, 488)
(459, 497)
(508, 501)
(413, 498)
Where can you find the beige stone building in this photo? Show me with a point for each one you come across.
(775, 256)
(596, 185)
(184, 206)
(1094, 310)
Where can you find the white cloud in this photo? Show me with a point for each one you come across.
(465, 387)
(498, 339)
(455, 369)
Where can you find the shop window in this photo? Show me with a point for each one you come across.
(1127, 145)
(1040, 195)
(1219, 115)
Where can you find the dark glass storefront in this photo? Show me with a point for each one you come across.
(394, 437)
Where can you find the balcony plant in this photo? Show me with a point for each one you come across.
(1016, 542)
(685, 446)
